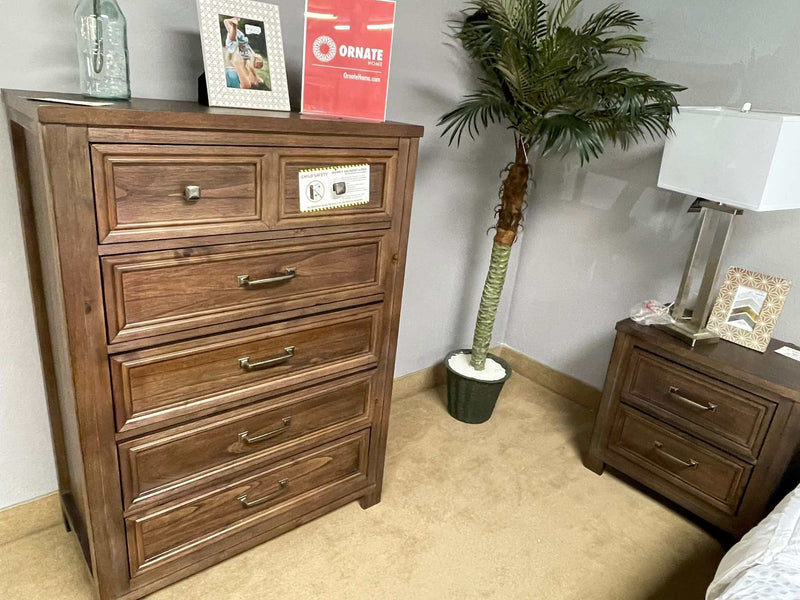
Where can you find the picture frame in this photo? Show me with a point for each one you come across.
(243, 54)
(748, 307)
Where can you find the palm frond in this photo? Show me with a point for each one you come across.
(609, 19)
(550, 80)
(562, 13)
(473, 114)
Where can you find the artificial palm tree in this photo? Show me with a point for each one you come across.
(548, 80)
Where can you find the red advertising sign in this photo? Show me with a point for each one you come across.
(348, 46)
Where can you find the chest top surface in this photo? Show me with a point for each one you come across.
(140, 112)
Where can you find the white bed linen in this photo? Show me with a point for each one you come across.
(765, 564)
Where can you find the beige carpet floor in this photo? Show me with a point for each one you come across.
(502, 510)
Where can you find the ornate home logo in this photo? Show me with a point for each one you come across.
(324, 48)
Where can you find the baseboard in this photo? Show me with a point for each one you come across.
(26, 519)
(561, 383)
(419, 381)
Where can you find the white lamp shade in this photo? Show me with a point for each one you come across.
(745, 160)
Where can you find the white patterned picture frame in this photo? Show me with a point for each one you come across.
(219, 94)
(758, 332)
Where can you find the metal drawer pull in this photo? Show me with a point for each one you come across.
(673, 391)
(245, 435)
(282, 488)
(244, 363)
(192, 193)
(244, 280)
(659, 447)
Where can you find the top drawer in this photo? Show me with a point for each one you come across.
(382, 180)
(723, 415)
(147, 192)
(158, 192)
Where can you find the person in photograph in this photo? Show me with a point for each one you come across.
(242, 61)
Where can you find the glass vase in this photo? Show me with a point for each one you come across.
(102, 33)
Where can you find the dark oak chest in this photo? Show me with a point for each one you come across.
(218, 362)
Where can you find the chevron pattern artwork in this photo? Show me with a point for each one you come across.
(748, 307)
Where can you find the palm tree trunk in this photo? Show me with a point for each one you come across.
(509, 216)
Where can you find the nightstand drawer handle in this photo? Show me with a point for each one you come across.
(282, 488)
(659, 447)
(244, 280)
(192, 193)
(674, 392)
(245, 435)
(245, 364)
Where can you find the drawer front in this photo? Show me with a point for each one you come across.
(159, 386)
(710, 409)
(141, 191)
(162, 292)
(383, 175)
(711, 476)
(163, 463)
(264, 500)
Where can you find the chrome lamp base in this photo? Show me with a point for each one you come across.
(685, 333)
(706, 257)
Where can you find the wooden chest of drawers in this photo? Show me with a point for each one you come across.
(715, 429)
(218, 362)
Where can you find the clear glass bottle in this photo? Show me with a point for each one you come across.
(102, 33)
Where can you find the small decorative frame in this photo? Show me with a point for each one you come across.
(748, 307)
(243, 54)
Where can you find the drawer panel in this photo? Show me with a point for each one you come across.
(709, 409)
(383, 174)
(685, 463)
(263, 500)
(141, 191)
(159, 386)
(154, 293)
(163, 463)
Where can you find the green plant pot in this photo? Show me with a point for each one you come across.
(472, 400)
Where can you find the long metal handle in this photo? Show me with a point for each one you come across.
(245, 364)
(659, 447)
(245, 435)
(675, 393)
(244, 280)
(283, 486)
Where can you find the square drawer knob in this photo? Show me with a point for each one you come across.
(192, 193)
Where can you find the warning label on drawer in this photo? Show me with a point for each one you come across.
(333, 187)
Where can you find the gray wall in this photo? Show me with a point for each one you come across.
(454, 199)
(602, 238)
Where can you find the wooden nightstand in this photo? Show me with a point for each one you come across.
(713, 428)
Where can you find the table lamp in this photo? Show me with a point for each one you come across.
(731, 161)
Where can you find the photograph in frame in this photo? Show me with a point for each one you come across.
(243, 54)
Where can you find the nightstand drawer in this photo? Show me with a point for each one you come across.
(210, 522)
(679, 460)
(158, 465)
(159, 386)
(159, 192)
(718, 413)
(155, 293)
